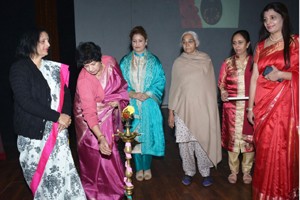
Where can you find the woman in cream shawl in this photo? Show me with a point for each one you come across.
(193, 109)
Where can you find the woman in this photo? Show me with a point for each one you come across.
(101, 94)
(194, 111)
(234, 81)
(41, 118)
(273, 107)
(146, 81)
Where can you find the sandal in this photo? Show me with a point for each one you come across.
(232, 178)
(247, 178)
(139, 175)
(147, 175)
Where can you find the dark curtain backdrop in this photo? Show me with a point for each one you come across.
(57, 17)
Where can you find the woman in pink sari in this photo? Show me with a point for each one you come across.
(101, 94)
(273, 107)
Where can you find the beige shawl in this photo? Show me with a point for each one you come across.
(193, 97)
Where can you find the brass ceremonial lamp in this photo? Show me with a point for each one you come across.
(127, 137)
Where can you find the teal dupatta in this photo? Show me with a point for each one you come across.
(148, 118)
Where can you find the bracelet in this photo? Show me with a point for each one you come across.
(99, 138)
(249, 109)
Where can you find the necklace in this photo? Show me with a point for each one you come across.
(275, 40)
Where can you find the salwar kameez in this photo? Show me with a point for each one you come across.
(193, 101)
(144, 73)
(237, 132)
(189, 147)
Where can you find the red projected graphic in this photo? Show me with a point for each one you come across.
(209, 13)
(189, 14)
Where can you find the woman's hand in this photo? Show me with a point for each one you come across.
(250, 116)
(113, 104)
(64, 121)
(274, 75)
(144, 97)
(103, 146)
(224, 95)
(171, 120)
(140, 96)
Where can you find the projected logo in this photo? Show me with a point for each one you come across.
(209, 13)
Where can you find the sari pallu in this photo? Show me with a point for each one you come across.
(47, 164)
(276, 136)
(102, 176)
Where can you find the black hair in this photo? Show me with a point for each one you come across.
(87, 52)
(138, 30)
(28, 43)
(286, 28)
(245, 34)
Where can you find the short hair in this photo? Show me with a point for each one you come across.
(195, 36)
(28, 42)
(87, 52)
(138, 30)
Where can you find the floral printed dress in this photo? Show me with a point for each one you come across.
(60, 180)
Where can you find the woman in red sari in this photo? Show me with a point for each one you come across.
(273, 107)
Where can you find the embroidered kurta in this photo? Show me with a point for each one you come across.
(193, 97)
(102, 176)
(236, 130)
(276, 123)
(144, 73)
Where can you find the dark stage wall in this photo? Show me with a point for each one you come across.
(108, 23)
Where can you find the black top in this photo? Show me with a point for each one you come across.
(32, 100)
